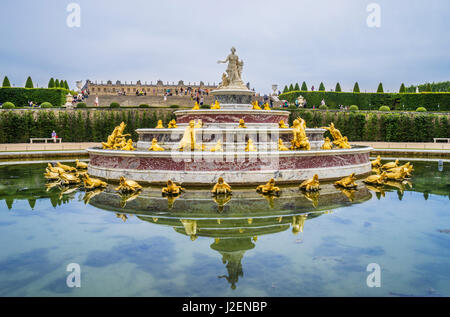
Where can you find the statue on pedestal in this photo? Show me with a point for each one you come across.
(233, 77)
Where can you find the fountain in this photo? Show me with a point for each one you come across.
(201, 165)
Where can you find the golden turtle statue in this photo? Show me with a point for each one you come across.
(396, 176)
(390, 165)
(268, 188)
(377, 162)
(93, 183)
(127, 186)
(347, 182)
(376, 179)
(81, 165)
(311, 185)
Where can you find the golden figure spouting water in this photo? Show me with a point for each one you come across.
(281, 146)
(155, 146)
(172, 124)
(339, 140)
(282, 125)
(221, 187)
(117, 137)
(188, 142)
(255, 105)
(242, 124)
(250, 146)
(216, 105)
(327, 145)
(159, 125)
(300, 140)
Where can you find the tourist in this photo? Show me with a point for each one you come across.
(312, 88)
(165, 97)
(322, 102)
(96, 101)
(201, 101)
(296, 103)
(54, 136)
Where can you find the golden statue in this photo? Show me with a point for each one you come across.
(376, 179)
(188, 142)
(282, 125)
(250, 147)
(159, 125)
(311, 185)
(347, 182)
(408, 168)
(52, 169)
(268, 188)
(51, 176)
(172, 124)
(255, 105)
(216, 105)
(221, 187)
(390, 165)
(172, 189)
(199, 124)
(339, 140)
(377, 162)
(66, 168)
(396, 176)
(217, 147)
(93, 183)
(155, 146)
(196, 107)
(127, 186)
(327, 145)
(128, 146)
(242, 124)
(68, 179)
(116, 137)
(281, 146)
(81, 165)
(267, 107)
(300, 140)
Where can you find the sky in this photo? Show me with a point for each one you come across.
(280, 42)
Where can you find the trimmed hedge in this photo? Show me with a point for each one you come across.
(323, 107)
(114, 105)
(144, 106)
(353, 108)
(384, 108)
(8, 105)
(21, 96)
(421, 109)
(46, 105)
(81, 105)
(372, 101)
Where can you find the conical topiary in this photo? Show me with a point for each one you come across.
(297, 87)
(321, 87)
(291, 88)
(285, 89)
(338, 88)
(51, 83)
(29, 83)
(356, 87)
(304, 87)
(6, 83)
(402, 89)
(380, 88)
(57, 85)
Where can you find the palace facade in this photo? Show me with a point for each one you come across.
(153, 89)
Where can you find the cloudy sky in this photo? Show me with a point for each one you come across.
(280, 41)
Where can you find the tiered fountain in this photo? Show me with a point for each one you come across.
(233, 163)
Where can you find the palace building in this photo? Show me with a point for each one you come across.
(153, 89)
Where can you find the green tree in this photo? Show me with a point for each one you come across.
(321, 87)
(338, 87)
(380, 88)
(402, 89)
(356, 87)
(6, 83)
(297, 87)
(304, 87)
(285, 90)
(428, 88)
(51, 83)
(57, 85)
(66, 85)
(29, 83)
(291, 88)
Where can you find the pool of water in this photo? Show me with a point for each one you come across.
(294, 245)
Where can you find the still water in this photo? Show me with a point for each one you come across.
(294, 245)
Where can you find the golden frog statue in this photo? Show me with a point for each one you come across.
(408, 168)
(127, 186)
(52, 169)
(81, 165)
(347, 182)
(93, 183)
(242, 124)
(250, 147)
(390, 165)
(51, 176)
(172, 124)
(311, 185)
(66, 168)
(268, 188)
(172, 189)
(377, 162)
(68, 179)
(218, 147)
(281, 146)
(396, 176)
(159, 125)
(188, 142)
(128, 146)
(282, 125)
(155, 146)
(376, 179)
(221, 187)
(300, 140)
(116, 137)
(327, 145)
(255, 105)
(196, 107)
(216, 105)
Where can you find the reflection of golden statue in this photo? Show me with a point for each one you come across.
(268, 188)
(281, 146)
(376, 163)
(188, 142)
(172, 124)
(217, 147)
(255, 105)
(196, 107)
(311, 185)
(216, 105)
(155, 146)
(242, 124)
(349, 193)
(81, 165)
(159, 125)
(116, 137)
(376, 179)
(92, 193)
(339, 140)
(171, 200)
(300, 140)
(221, 200)
(347, 182)
(172, 189)
(250, 147)
(126, 186)
(92, 183)
(313, 197)
(122, 216)
(127, 197)
(327, 145)
(190, 226)
(282, 125)
(221, 187)
(298, 223)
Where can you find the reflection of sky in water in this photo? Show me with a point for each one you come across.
(139, 258)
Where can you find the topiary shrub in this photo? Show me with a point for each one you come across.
(323, 107)
(8, 105)
(292, 107)
(174, 106)
(46, 105)
(114, 105)
(205, 107)
(353, 108)
(421, 109)
(81, 105)
(144, 105)
(384, 108)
